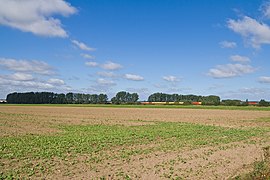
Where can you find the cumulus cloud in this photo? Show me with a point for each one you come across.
(91, 64)
(256, 33)
(56, 81)
(105, 82)
(21, 77)
(36, 16)
(264, 79)
(251, 93)
(230, 70)
(240, 59)
(19, 82)
(33, 66)
(87, 56)
(82, 46)
(133, 77)
(228, 44)
(170, 78)
(266, 9)
(29, 76)
(106, 74)
(4, 80)
(111, 66)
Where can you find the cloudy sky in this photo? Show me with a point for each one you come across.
(104, 46)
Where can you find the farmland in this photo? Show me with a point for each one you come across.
(131, 142)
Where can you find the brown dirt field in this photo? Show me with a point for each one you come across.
(213, 163)
(218, 162)
(40, 119)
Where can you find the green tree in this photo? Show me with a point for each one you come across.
(123, 97)
(70, 98)
(262, 102)
(102, 98)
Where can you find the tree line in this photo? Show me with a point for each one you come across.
(235, 102)
(121, 97)
(187, 99)
(54, 98)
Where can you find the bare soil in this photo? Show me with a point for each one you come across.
(219, 162)
(40, 119)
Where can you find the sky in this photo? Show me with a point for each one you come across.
(105, 46)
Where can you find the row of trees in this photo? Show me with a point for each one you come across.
(54, 98)
(262, 102)
(162, 97)
(235, 102)
(121, 97)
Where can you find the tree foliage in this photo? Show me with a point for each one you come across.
(54, 98)
(187, 99)
(264, 103)
(123, 97)
(232, 102)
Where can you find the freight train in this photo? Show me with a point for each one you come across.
(169, 103)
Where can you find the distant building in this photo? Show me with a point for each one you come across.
(3, 101)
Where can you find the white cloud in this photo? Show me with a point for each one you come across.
(82, 46)
(228, 44)
(254, 32)
(91, 64)
(35, 16)
(106, 74)
(33, 66)
(21, 82)
(264, 79)
(266, 9)
(111, 66)
(24, 84)
(105, 82)
(56, 81)
(240, 59)
(87, 56)
(230, 70)
(170, 78)
(133, 77)
(21, 77)
(250, 93)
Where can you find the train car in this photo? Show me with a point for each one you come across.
(253, 103)
(161, 103)
(196, 103)
(146, 103)
(158, 103)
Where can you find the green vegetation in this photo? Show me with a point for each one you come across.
(162, 97)
(254, 108)
(54, 98)
(230, 102)
(264, 103)
(77, 140)
(123, 97)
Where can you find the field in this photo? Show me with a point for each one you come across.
(125, 142)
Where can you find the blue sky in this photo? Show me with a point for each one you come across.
(105, 46)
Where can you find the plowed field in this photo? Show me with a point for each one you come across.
(130, 143)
